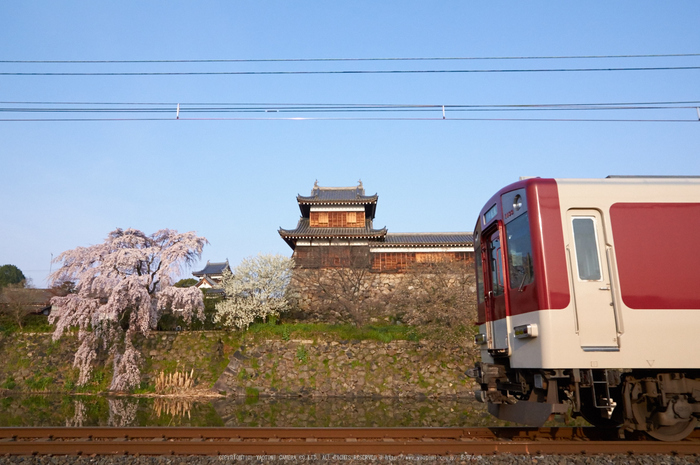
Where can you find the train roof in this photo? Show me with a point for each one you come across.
(656, 182)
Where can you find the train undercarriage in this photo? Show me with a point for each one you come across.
(663, 403)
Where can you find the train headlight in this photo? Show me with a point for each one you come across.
(525, 331)
(480, 339)
(517, 203)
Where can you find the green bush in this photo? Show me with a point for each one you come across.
(252, 393)
(9, 383)
(32, 324)
(302, 354)
(38, 383)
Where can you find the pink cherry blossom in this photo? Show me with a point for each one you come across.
(122, 288)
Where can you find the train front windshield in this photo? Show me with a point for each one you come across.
(507, 278)
(520, 269)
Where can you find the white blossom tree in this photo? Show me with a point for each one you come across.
(255, 289)
(122, 287)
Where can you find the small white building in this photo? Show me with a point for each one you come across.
(211, 275)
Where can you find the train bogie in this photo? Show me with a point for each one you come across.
(589, 298)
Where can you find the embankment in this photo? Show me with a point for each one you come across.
(242, 366)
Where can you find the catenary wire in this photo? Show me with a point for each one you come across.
(592, 120)
(159, 108)
(693, 103)
(85, 107)
(330, 110)
(349, 72)
(292, 60)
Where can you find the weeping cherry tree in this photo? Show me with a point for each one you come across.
(122, 287)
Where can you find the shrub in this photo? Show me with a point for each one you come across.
(254, 290)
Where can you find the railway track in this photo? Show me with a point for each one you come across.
(315, 441)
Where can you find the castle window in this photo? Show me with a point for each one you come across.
(323, 218)
(352, 217)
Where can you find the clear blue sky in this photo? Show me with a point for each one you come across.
(68, 184)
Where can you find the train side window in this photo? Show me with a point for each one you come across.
(586, 244)
(479, 269)
(520, 267)
(496, 264)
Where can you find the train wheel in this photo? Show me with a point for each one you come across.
(647, 413)
(593, 415)
(676, 432)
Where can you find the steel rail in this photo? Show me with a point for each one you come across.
(314, 441)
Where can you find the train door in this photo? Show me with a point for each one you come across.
(497, 325)
(590, 272)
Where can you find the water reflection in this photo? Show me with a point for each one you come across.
(341, 412)
(38, 410)
(79, 414)
(264, 412)
(176, 408)
(122, 412)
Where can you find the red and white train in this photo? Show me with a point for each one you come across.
(589, 299)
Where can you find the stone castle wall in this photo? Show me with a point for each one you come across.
(349, 369)
(239, 365)
(375, 292)
(336, 295)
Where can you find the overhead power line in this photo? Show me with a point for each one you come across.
(347, 72)
(692, 103)
(596, 120)
(274, 111)
(185, 107)
(311, 60)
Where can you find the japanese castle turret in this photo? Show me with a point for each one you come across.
(211, 275)
(336, 230)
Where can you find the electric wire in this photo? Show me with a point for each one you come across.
(318, 110)
(293, 60)
(156, 108)
(593, 120)
(453, 112)
(124, 107)
(349, 72)
(323, 110)
(692, 104)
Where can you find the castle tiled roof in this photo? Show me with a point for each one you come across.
(212, 269)
(444, 239)
(332, 196)
(305, 231)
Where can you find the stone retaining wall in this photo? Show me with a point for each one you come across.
(373, 294)
(33, 362)
(238, 365)
(340, 295)
(343, 368)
